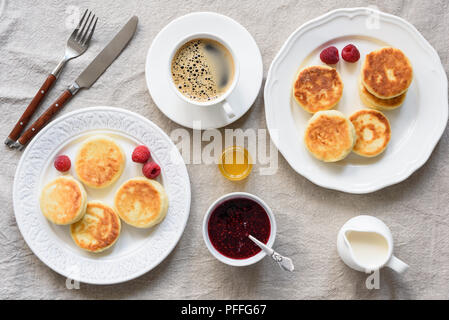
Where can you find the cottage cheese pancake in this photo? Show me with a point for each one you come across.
(63, 200)
(141, 202)
(387, 73)
(98, 230)
(374, 102)
(329, 136)
(318, 88)
(373, 132)
(99, 162)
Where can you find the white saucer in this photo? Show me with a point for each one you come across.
(245, 49)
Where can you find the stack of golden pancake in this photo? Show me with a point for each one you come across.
(385, 78)
(95, 226)
(330, 136)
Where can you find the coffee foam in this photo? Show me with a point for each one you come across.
(202, 69)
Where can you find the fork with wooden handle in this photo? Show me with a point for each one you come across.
(77, 44)
(85, 80)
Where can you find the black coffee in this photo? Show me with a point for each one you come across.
(202, 69)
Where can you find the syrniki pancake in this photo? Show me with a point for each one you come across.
(387, 73)
(373, 132)
(141, 202)
(374, 102)
(318, 88)
(63, 200)
(98, 230)
(99, 162)
(329, 136)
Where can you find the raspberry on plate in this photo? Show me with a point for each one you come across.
(62, 163)
(350, 53)
(330, 55)
(141, 154)
(151, 170)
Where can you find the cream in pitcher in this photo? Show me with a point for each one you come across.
(370, 249)
(365, 244)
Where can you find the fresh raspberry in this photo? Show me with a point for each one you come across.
(151, 170)
(350, 53)
(62, 163)
(330, 55)
(141, 154)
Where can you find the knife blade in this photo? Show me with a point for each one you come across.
(105, 58)
(85, 80)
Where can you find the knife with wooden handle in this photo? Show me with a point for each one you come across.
(85, 80)
(43, 119)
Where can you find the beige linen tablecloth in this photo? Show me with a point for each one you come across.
(32, 38)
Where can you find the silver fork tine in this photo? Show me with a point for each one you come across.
(78, 36)
(87, 30)
(82, 18)
(91, 33)
(77, 43)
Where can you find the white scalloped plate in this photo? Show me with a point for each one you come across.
(137, 251)
(416, 126)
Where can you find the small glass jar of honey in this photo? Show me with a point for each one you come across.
(235, 163)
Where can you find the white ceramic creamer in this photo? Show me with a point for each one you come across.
(365, 244)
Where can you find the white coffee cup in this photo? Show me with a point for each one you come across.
(222, 98)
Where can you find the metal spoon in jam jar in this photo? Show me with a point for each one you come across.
(284, 262)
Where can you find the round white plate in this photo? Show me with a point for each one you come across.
(158, 77)
(137, 250)
(416, 126)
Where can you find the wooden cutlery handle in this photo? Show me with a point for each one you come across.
(29, 111)
(45, 117)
